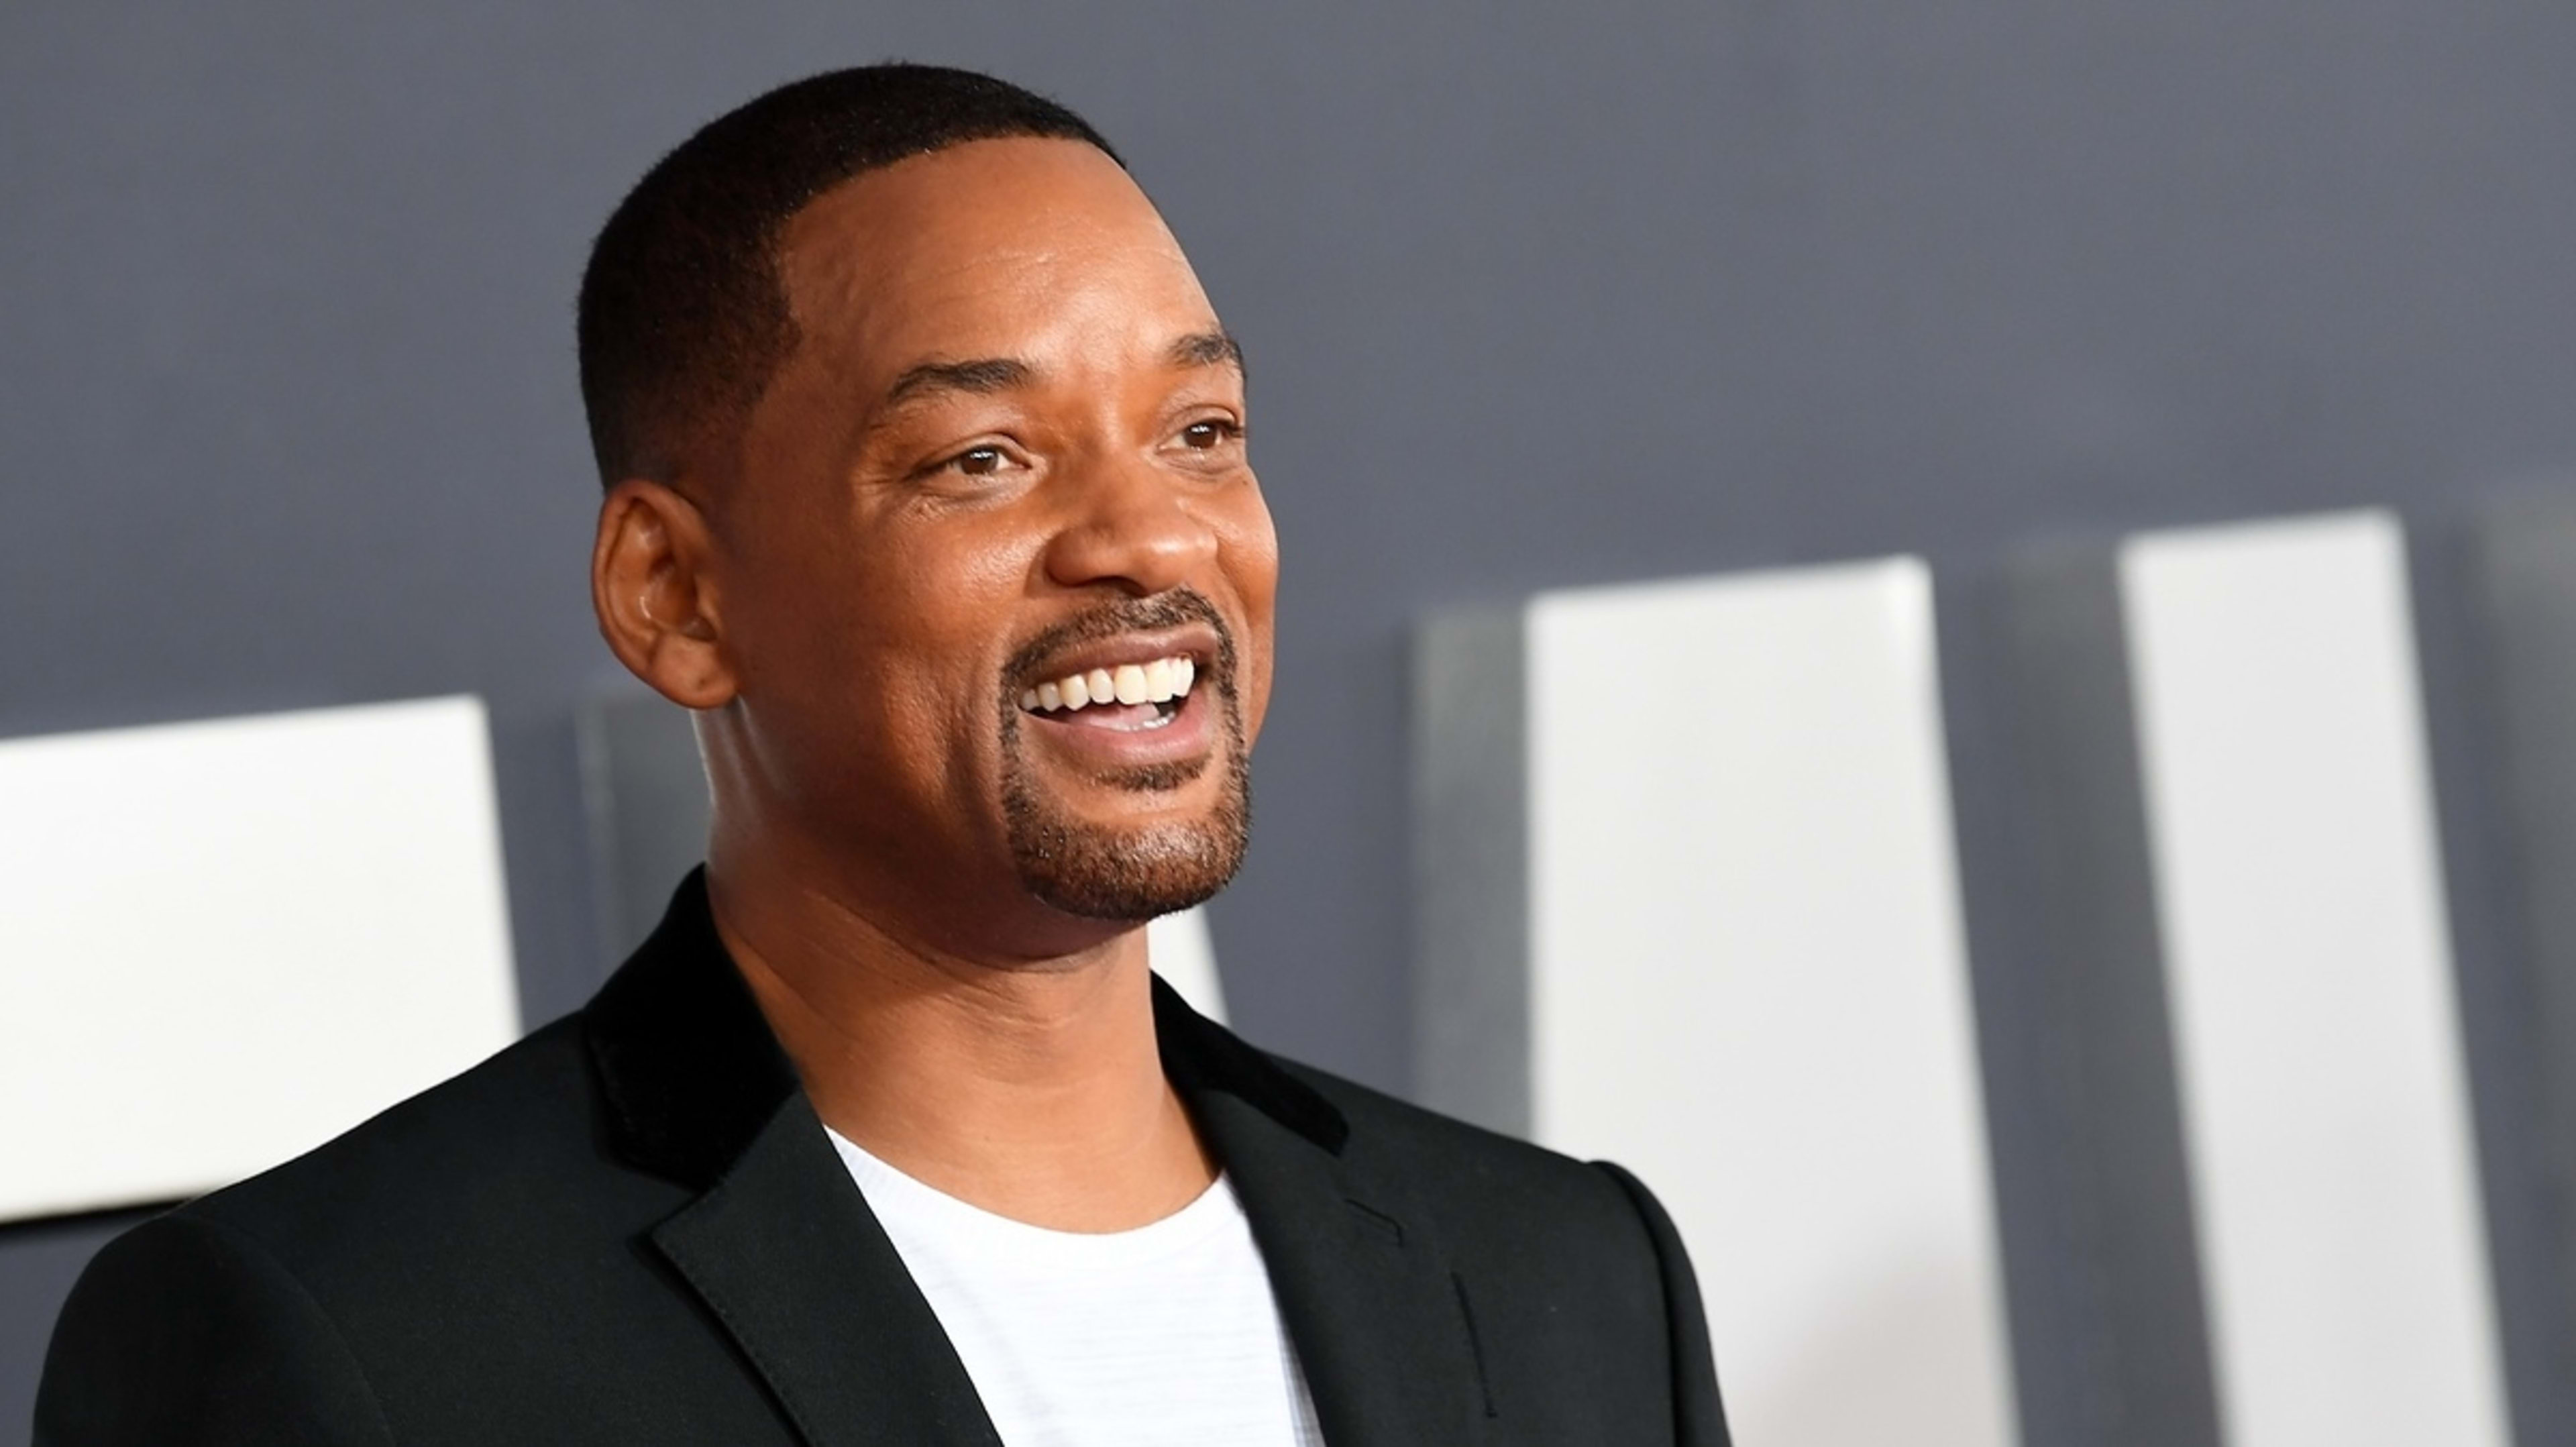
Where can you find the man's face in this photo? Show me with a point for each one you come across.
(1002, 468)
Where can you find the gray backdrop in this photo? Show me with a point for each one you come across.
(1535, 295)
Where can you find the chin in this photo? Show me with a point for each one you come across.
(1129, 871)
(1130, 839)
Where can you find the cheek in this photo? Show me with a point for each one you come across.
(787, 614)
(1250, 559)
(939, 608)
(874, 645)
(1255, 696)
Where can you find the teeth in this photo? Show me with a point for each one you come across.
(1159, 681)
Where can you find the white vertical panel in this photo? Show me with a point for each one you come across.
(226, 942)
(2300, 895)
(1185, 956)
(1749, 984)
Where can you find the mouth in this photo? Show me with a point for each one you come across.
(1128, 703)
(1124, 697)
(1139, 693)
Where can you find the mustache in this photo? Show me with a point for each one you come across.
(1169, 609)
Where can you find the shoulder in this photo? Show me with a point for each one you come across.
(456, 1152)
(182, 1330)
(253, 1307)
(1484, 1187)
(476, 1198)
(1570, 1271)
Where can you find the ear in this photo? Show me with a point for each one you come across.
(652, 584)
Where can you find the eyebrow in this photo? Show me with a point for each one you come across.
(984, 376)
(1206, 349)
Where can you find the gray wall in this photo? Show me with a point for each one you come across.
(1535, 295)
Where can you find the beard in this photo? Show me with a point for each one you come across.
(1105, 872)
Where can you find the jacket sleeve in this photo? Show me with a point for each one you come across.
(185, 1333)
(1699, 1418)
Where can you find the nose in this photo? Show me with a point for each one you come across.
(1133, 528)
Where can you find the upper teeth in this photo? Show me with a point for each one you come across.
(1160, 681)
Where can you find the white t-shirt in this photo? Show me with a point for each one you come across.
(1164, 1336)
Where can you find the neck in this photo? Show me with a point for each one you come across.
(1032, 1089)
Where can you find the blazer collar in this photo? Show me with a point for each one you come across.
(692, 1073)
(784, 1251)
(689, 1069)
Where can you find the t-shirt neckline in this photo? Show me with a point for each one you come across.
(906, 1205)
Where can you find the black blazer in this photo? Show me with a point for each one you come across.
(630, 1228)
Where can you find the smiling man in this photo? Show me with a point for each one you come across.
(928, 494)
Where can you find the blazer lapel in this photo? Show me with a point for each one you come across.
(787, 1254)
(1379, 1320)
(783, 1251)
(779, 1244)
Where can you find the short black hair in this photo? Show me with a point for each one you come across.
(683, 315)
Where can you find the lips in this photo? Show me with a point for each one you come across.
(1132, 683)
(1117, 704)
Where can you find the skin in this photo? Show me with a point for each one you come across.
(841, 595)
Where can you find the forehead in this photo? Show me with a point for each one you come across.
(1004, 247)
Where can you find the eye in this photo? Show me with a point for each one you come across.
(979, 461)
(1210, 434)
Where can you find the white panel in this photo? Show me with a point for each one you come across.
(2316, 1032)
(1749, 985)
(1185, 957)
(228, 941)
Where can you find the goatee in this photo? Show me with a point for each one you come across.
(1103, 872)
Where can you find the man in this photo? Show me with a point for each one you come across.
(927, 492)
